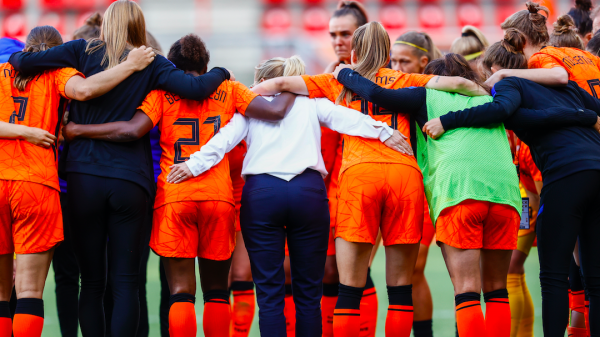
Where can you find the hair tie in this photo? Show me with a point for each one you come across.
(473, 56)
(412, 45)
(465, 34)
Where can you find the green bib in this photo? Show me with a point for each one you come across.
(466, 163)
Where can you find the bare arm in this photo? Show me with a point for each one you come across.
(274, 86)
(118, 132)
(83, 89)
(35, 136)
(456, 84)
(274, 110)
(557, 76)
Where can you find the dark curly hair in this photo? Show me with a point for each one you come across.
(190, 54)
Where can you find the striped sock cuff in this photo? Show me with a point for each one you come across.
(216, 296)
(349, 297)
(346, 312)
(404, 308)
(496, 296)
(30, 306)
(467, 300)
(400, 295)
(183, 297)
(241, 285)
(5, 309)
(369, 292)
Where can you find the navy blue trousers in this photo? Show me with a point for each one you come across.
(272, 209)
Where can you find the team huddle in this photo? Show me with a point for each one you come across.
(290, 186)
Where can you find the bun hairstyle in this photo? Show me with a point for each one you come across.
(531, 23)
(39, 39)
(594, 45)
(581, 16)
(278, 67)
(421, 43)
(507, 54)
(354, 8)
(190, 54)
(452, 65)
(90, 29)
(471, 44)
(565, 33)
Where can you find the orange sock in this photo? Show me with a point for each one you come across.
(400, 314)
(369, 306)
(216, 320)
(587, 316)
(29, 318)
(5, 320)
(469, 317)
(346, 316)
(576, 332)
(497, 313)
(289, 312)
(182, 316)
(330, 296)
(243, 308)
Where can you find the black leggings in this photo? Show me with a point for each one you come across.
(108, 215)
(569, 208)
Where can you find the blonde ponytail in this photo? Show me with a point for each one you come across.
(279, 66)
(371, 45)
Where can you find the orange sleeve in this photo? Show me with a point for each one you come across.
(153, 105)
(62, 76)
(242, 96)
(418, 80)
(323, 85)
(543, 61)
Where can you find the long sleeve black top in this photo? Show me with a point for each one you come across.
(413, 101)
(132, 160)
(557, 152)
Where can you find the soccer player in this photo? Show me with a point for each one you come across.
(368, 175)
(269, 213)
(548, 65)
(567, 158)
(471, 44)
(196, 218)
(30, 207)
(111, 205)
(411, 53)
(521, 304)
(348, 16)
(583, 21)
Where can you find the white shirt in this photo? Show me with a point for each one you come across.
(286, 148)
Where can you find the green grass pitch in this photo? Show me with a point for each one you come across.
(437, 275)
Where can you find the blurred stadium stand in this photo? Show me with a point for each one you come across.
(240, 33)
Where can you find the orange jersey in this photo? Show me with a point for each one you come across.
(185, 126)
(528, 171)
(582, 66)
(360, 150)
(41, 105)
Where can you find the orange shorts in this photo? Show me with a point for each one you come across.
(30, 217)
(475, 224)
(189, 229)
(374, 196)
(428, 229)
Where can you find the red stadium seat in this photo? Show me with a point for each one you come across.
(392, 17)
(469, 14)
(277, 19)
(431, 16)
(53, 19)
(14, 25)
(11, 5)
(315, 19)
(274, 2)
